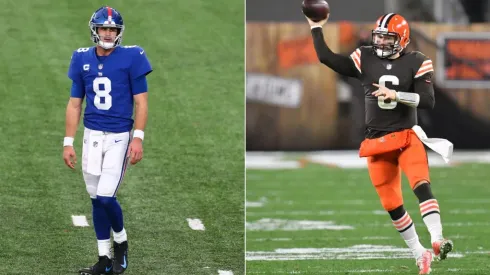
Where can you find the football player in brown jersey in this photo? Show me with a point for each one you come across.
(396, 83)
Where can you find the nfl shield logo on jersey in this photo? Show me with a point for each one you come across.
(388, 67)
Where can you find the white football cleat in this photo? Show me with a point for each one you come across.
(424, 262)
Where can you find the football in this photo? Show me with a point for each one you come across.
(316, 10)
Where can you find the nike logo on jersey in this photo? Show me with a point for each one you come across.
(142, 51)
(107, 269)
(117, 140)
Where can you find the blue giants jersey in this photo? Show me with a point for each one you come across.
(106, 83)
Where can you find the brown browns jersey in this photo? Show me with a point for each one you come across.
(398, 74)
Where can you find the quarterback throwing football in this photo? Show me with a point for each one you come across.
(396, 82)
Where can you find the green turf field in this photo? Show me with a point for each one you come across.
(193, 165)
(285, 208)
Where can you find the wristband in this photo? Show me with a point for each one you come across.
(410, 99)
(139, 134)
(68, 141)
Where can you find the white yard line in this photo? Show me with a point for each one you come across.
(195, 224)
(356, 252)
(79, 221)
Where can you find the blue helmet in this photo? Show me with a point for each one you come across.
(109, 18)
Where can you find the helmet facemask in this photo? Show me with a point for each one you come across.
(106, 45)
(383, 48)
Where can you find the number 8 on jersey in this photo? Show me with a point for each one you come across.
(102, 89)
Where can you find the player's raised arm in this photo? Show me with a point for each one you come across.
(339, 63)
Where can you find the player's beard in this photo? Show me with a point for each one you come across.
(387, 51)
(384, 53)
(106, 44)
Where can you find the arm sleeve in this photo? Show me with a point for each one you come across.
(74, 69)
(339, 63)
(139, 85)
(77, 90)
(141, 66)
(77, 87)
(424, 87)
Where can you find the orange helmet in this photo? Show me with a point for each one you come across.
(390, 35)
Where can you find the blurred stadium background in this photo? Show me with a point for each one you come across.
(304, 124)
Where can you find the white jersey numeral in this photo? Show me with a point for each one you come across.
(102, 88)
(82, 50)
(381, 99)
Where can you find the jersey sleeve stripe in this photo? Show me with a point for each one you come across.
(424, 71)
(424, 68)
(356, 57)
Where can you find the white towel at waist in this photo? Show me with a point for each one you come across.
(439, 145)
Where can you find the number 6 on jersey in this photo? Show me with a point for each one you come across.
(381, 99)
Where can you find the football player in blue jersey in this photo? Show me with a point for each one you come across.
(112, 79)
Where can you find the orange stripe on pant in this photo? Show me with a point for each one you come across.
(385, 171)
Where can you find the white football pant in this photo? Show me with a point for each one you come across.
(104, 161)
